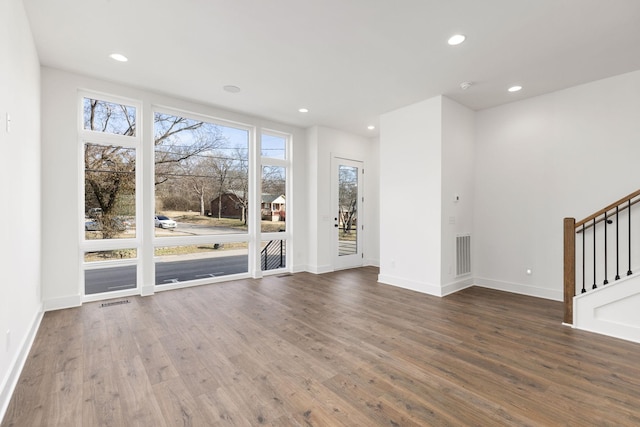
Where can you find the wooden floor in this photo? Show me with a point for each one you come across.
(329, 350)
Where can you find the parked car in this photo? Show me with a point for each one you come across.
(96, 225)
(165, 222)
(92, 225)
(94, 212)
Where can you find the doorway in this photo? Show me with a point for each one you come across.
(347, 205)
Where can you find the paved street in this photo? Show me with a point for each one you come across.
(112, 279)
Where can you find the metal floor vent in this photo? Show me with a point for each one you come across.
(112, 303)
(280, 276)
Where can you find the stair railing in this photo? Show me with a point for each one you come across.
(596, 265)
(273, 255)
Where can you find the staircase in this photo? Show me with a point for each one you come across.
(601, 291)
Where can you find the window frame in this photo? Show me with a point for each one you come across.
(287, 164)
(203, 239)
(134, 142)
(145, 242)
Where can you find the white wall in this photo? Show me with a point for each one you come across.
(458, 166)
(61, 178)
(565, 154)
(323, 144)
(410, 196)
(20, 307)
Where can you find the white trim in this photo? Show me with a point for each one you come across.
(373, 262)
(201, 282)
(111, 295)
(319, 269)
(107, 245)
(300, 269)
(422, 287)
(521, 289)
(458, 285)
(275, 271)
(9, 383)
(62, 302)
(209, 239)
(112, 263)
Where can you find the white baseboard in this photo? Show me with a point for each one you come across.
(319, 269)
(300, 268)
(425, 288)
(15, 369)
(453, 287)
(517, 288)
(62, 303)
(372, 262)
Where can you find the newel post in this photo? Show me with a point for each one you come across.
(569, 268)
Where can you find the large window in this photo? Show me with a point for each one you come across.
(201, 177)
(201, 199)
(274, 186)
(110, 144)
(194, 201)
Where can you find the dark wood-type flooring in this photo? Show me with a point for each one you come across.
(336, 349)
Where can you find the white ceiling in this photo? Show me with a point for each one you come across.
(347, 61)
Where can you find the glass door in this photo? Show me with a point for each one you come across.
(347, 213)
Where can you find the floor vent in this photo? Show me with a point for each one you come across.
(463, 255)
(284, 275)
(112, 303)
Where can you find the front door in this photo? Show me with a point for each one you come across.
(347, 213)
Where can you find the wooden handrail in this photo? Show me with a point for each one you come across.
(608, 208)
(602, 219)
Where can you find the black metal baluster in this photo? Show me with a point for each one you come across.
(265, 252)
(617, 247)
(583, 260)
(594, 255)
(606, 222)
(281, 254)
(629, 273)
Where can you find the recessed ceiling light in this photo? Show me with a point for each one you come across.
(515, 88)
(303, 110)
(371, 127)
(231, 88)
(118, 57)
(456, 39)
